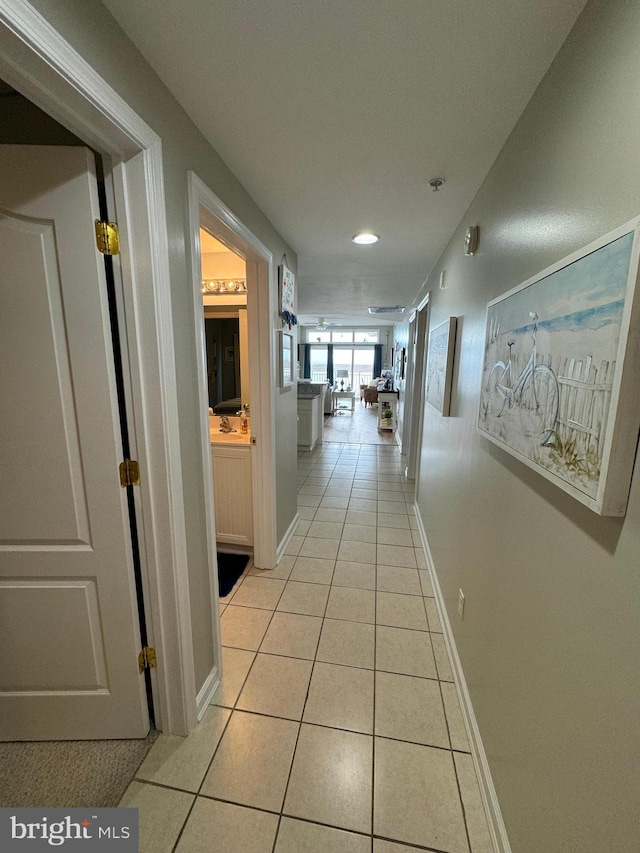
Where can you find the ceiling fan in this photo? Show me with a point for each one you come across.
(322, 326)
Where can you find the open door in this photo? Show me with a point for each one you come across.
(69, 630)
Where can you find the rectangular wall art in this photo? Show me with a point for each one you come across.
(285, 358)
(560, 387)
(442, 341)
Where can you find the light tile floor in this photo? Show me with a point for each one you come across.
(337, 727)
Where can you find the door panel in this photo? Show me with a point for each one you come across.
(77, 662)
(69, 634)
(35, 335)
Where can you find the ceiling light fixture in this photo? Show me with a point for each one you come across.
(365, 238)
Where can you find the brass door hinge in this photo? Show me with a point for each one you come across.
(147, 659)
(107, 238)
(129, 473)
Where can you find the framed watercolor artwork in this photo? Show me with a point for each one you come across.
(286, 359)
(441, 346)
(560, 381)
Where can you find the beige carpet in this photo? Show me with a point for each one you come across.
(361, 427)
(69, 774)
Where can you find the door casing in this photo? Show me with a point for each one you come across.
(39, 63)
(209, 211)
(417, 382)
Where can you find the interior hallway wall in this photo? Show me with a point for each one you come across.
(551, 631)
(91, 30)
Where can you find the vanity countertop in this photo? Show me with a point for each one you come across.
(236, 436)
(309, 390)
(231, 438)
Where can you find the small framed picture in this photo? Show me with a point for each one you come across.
(442, 341)
(287, 282)
(286, 359)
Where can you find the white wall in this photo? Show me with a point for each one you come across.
(551, 632)
(223, 265)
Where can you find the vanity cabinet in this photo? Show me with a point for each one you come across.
(231, 472)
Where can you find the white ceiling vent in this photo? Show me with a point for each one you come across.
(394, 309)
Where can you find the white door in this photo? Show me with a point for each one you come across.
(69, 629)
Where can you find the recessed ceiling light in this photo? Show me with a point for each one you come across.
(365, 238)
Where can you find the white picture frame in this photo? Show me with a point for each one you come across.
(286, 360)
(287, 284)
(560, 386)
(441, 348)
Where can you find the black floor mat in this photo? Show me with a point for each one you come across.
(230, 567)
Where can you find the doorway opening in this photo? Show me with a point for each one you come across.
(55, 155)
(224, 297)
(256, 363)
(44, 68)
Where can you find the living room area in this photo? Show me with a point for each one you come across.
(353, 363)
(359, 426)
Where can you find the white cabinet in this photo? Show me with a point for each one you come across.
(308, 422)
(231, 472)
(387, 409)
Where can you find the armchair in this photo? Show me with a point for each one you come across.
(370, 396)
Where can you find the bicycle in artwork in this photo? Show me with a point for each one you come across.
(534, 393)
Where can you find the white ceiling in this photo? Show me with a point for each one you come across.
(335, 114)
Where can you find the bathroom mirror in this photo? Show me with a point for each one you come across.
(223, 363)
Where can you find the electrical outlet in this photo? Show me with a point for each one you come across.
(461, 604)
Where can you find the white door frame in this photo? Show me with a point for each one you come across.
(205, 208)
(38, 62)
(420, 338)
(405, 439)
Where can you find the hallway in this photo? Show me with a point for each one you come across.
(338, 728)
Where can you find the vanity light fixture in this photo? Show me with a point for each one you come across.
(365, 238)
(224, 285)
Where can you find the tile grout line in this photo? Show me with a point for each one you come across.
(295, 748)
(324, 619)
(375, 690)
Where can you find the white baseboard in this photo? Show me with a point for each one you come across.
(287, 537)
(487, 790)
(205, 695)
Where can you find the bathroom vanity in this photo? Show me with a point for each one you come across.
(231, 472)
